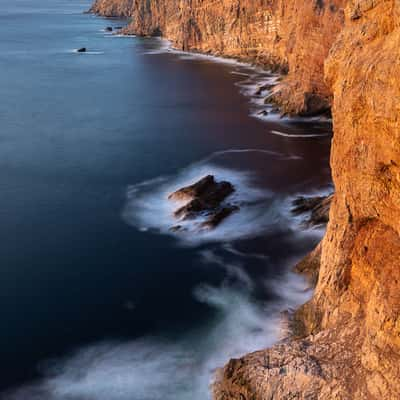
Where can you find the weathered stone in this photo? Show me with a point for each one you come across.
(204, 197)
(318, 208)
(293, 36)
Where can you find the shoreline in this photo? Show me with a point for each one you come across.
(274, 109)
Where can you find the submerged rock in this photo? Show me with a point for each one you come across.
(82, 50)
(204, 198)
(108, 29)
(318, 207)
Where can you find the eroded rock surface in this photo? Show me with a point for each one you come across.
(204, 198)
(317, 207)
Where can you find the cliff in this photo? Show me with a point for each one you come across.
(293, 36)
(350, 347)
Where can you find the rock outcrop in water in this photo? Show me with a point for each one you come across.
(204, 198)
(317, 208)
(346, 342)
(293, 36)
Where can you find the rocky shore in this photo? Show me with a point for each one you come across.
(292, 36)
(344, 54)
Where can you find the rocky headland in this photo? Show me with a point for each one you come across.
(342, 54)
(292, 36)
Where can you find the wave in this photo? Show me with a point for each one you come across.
(148, 208)
(293, 135)
(155, 368)
(89, 52)
(256, 78)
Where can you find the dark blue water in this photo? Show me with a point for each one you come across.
(98, 299)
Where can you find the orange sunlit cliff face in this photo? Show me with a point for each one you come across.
(291, 35)
(345, 54)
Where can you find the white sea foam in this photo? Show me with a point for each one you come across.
(297, 221)
(148, 208)
(153, 368)
(148, 205)
(255, 77)
(294, 135)
(87, 52)
(117, 35)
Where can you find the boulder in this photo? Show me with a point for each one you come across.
(108, 29)
(82, 50)
(263, 88)
(204, 198)
(317, 207)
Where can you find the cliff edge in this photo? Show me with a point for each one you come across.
(350, 347)
(293, 36)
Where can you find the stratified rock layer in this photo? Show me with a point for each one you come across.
(291, 35)
(350, 348)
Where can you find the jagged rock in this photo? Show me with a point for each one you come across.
(204, 197)
(310, 264)
(318, 207)
(263, 88)
(82, 50)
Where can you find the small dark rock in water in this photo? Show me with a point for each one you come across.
(118, 27)
(176, 228)
(318, 207)
(108, 29)
(263, 88)
(82, 50)
(263, 112)
(204, 198)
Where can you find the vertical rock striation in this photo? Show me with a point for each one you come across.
(291, 35)
(351, 328)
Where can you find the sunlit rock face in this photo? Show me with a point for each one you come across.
(351, 328)
(290, 35)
